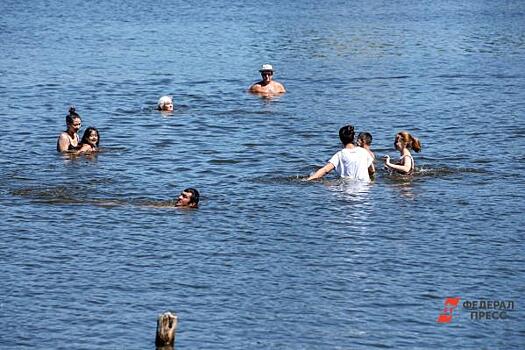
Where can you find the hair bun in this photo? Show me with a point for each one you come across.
(72, 110)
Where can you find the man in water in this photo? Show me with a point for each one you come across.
(351, 162)
(189, 198)
(267, 86)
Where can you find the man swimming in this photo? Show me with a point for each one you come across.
(188, 198)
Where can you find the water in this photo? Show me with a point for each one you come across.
(267, 261)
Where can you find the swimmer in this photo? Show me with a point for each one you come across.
(351, 162)
(165, 104)
(188, 198)
(69, 139)
(90, 141)
(267, 86)
(364, 139)
(404, 142)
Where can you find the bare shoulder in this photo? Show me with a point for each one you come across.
(278, 87)
(256, 87)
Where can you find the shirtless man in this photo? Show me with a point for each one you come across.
(188, 198)
(267, 86)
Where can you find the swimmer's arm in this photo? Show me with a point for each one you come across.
(405, 168)
(63, 143)
(322, 172)
(84, 149)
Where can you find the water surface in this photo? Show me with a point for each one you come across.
(268, 260)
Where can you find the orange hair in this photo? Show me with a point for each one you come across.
(409, 141)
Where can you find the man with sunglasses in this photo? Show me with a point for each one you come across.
(267, 86)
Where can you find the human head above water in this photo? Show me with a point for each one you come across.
(267, 68)
(165, 104)
(405, 140)
(73, 120)
(188, 198)
(364, 139)
(266, 72)
(346, 134)
(72, 115)
(87, 135)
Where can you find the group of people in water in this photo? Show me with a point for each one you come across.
(69, 141)
(355, 161)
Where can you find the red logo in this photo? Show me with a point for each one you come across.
(446, 315)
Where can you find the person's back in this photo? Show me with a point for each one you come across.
(350, 162)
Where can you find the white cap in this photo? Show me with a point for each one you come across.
(266, 67)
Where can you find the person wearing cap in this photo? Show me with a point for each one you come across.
(165, 104)
(267, 86)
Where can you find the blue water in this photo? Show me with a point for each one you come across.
(268, 260)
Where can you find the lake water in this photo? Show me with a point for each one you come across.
(268, 261)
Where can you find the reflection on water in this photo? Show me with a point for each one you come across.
(92, 245)
(350, 190)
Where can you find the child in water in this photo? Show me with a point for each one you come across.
(404, 142)
(364, 140)
(90, 141)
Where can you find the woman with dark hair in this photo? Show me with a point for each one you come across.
(404, 142)
(90, 141)
(69, 139)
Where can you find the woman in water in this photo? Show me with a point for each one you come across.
(165, 104)
(69, 139)
(90, 140)
(404, 142)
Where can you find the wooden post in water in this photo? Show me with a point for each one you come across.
(166, 327)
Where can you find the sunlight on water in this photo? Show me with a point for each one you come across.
(93, 250)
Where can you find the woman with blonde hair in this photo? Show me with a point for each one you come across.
(404, 142)
(165, 104)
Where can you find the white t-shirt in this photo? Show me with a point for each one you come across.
(352, 163)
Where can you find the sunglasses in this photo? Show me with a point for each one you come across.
(266, 73)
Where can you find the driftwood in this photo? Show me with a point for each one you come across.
(166, 327)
